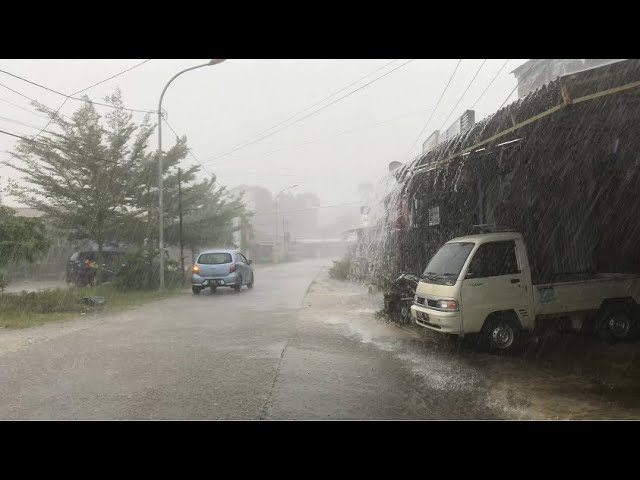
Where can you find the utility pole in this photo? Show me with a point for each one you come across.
(243, 234)
(180, 213)
(284, 237)
(275, 241)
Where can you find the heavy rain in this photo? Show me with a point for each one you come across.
(404, 239)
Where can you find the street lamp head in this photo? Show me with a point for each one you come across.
(216, 61)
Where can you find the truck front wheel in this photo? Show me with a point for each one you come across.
(502, 334)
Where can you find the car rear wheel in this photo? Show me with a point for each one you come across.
(238, 285)
(250, 284)
(196, 290)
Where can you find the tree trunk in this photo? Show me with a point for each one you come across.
(99, 262)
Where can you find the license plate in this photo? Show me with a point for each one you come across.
(423, 316)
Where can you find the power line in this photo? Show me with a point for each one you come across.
(33, 83)
(314, 105)
(17, 92)
(312, 113)
(56, 112)
(463, 94)
(30, 125)
(51, 118)
(346, 132)
(339, 134)
(328, 105)
(19, 122)
(56, 147)
(84, 90)
(81, 99)
(22, 108)
(29, 98)
(490, 83)
(112, 77)
(192, 154)
(514, 88)
(435, 108)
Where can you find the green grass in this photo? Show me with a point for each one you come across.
(26, 309)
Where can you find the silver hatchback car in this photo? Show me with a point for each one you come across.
(221, 268)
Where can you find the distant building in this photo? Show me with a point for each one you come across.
(462, 124)
(535, 73)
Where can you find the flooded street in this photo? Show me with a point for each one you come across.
(320, 239)
(565, 377)
(297, 346)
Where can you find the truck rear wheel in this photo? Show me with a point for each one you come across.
(502, 333)
(617, 323)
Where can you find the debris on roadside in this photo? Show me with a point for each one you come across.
(93, 301)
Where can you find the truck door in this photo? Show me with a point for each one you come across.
(494, 281)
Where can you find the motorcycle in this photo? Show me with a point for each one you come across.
(398, 301)
(90, 276)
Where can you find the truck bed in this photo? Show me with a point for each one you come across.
(584, 291)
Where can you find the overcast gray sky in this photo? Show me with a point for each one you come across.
(221, 106)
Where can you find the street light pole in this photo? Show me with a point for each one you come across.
(160, 169)
(275, 242)
(182, 276)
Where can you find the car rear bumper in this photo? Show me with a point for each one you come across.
(444, 322)
(225, 281)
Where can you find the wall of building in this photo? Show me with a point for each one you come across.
(568, 183)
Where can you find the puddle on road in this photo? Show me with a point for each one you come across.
(363, 330)
(439, 370)
(563, 378)
(521, 388)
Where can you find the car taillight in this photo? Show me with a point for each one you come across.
(232, 268)
(196, 269)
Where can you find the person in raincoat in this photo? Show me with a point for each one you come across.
(88, 272)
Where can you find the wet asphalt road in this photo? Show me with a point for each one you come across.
(284, 350)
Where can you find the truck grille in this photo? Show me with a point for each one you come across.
(429, 302)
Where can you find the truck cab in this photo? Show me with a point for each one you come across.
(470, 278)
(482, 284)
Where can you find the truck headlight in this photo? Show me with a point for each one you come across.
(450, 305)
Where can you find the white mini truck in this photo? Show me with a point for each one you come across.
(482, 284)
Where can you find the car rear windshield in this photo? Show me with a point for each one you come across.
(214, 258)
(445, 266)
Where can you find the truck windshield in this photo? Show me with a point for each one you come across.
(445, 266)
